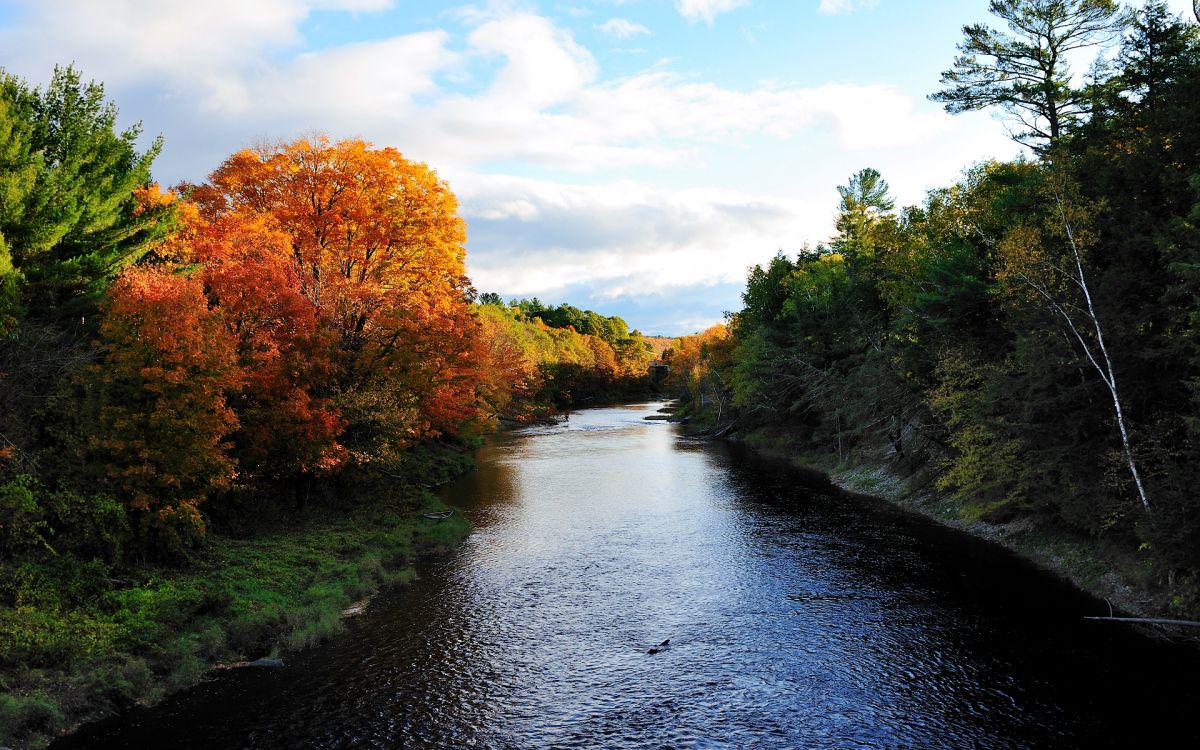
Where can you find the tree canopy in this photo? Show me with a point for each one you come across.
(77, 204)
(1026, 70)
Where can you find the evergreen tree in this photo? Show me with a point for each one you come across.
(90, 209)
(1025, 70)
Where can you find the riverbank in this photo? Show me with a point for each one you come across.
(792, 618)
(97, 641)
(1127, 582)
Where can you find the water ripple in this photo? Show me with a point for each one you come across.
(796, 619)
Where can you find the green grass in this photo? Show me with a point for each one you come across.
(74, 647)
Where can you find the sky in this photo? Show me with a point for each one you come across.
(635, 157)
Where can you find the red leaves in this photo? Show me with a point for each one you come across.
(164, 418)
(313, 309)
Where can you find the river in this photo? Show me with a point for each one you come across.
(797, 618)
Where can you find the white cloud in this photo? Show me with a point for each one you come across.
(336, 86)
(666, 106)
(200, 48)
(543, 63)
(836, 7)
(750, 34)
(706, 10)
(621, 28)
(539, 99)
(622, 238)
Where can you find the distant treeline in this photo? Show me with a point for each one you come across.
(1027, 338)
(558, 357)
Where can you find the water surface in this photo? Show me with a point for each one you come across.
(797, 618)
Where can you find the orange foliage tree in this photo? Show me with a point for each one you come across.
(312, 309)
(374, 243)
(288, 421)
(163, 415)
(696, 364)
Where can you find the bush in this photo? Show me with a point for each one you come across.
(173, 532)
(92, 526)
(23, 522)
(33, 521)
(25, 715)
(61, 581)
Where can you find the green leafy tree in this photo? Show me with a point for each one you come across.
(1158, 53)
(865, 200)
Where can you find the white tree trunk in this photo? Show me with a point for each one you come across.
(1108, 374)
(1098, 356)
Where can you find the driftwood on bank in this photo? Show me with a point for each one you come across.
(1149, 621)
(715, 432)
(722, 432)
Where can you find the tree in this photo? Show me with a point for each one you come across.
(1026, 72)
(163, 416)
(697, 364)
(76, 208)
(288, 423)
(90, 209)
(864, 222)
(375, 243)
(18, 174)
(1052, 269)
(1159, 51)
(864, 200)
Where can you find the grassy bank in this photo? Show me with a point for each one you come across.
(1125, 580)
(81, 641)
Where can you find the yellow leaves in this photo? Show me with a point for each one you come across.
(693, 358)
(1021, 254)
(151, 197)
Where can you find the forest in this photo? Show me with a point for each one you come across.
(185, 369)
(1026, 342)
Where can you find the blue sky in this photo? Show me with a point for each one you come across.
(631, 156)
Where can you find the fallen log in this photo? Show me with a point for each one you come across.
(1149, 621)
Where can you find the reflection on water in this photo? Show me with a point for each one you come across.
(796, 618)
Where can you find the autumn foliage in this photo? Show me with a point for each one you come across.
(291, 341)
(288, 424)
(373, 243)
(164, 414)
(534, 367)
(301, 317)
(311, 314)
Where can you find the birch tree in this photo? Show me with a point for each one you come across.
(1049, 262)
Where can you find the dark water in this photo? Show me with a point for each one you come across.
(797, 620)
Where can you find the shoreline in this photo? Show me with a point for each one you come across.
(1119, 578)
(242, 603)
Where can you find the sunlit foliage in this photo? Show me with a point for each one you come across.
(1024, 340)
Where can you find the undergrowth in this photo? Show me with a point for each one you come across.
(80, 640)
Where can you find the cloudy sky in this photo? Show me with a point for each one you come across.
(632, 156)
